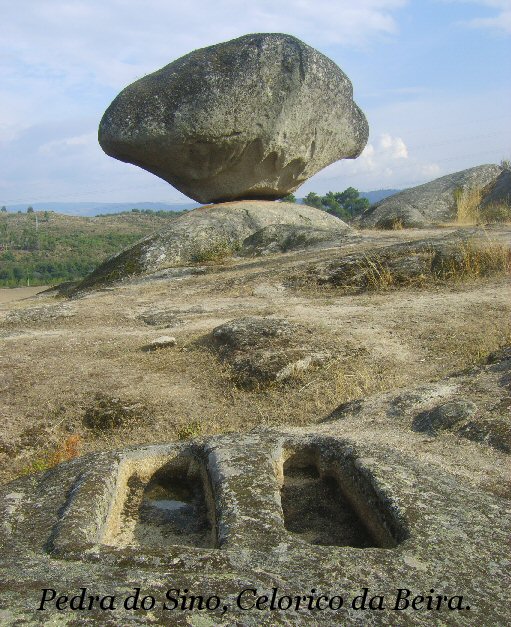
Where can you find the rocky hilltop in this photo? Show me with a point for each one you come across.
(430, 203)
(335, 414)
(213, 233)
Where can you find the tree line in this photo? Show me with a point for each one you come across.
(345, 205)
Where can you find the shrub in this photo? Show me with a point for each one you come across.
(189, 431)
(108, 413)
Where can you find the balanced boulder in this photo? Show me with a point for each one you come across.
(251, 118)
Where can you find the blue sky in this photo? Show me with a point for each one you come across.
(432, 77)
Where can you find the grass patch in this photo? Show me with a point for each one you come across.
(107, 414)
(359, 378)
(215, 252)
(470, 211)
(64, 451)
(189, 431)
(496, 213)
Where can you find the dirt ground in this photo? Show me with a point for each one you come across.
(58, 355)
(19, 293)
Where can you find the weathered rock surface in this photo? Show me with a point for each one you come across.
(474, 404)
(463, 253)
(208, 234)
(164, 341)
(427, 204)
(283, 238)
(44, 313)
(444, 416)
(235, 512)
(254, 117)
(262, 351)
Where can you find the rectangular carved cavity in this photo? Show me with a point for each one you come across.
(169, 504)
(327, 501)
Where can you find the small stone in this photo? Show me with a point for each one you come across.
(165, 341)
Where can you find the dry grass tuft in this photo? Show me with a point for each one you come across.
(378, 276)
(357, 379)
(472, 261)
(391, 224)
(468, 201)
(496, 213)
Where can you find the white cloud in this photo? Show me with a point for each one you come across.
(501, 19)
(502, 22)
(112, 42)
(69, 144)
(393, 146)
(382, 163)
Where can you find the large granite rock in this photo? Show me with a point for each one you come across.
(208, 235)
(290, 513)
(431, 203)
(254, 117)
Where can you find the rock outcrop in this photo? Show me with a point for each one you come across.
(303, 513)
(283, 238)
(431, 203)
(466, 253)
(209, 234)
(264, 351)
(254, 117)
(473, 404)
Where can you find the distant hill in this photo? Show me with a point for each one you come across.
(95, 208)
(379, 194)
(45, 247)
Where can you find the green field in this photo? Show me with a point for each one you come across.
(45, 248)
